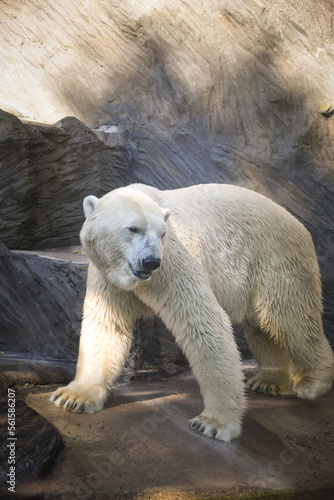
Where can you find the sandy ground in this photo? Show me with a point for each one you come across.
(140, 447)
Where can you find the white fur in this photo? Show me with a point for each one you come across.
(229, 255)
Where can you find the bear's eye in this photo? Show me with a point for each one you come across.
(134, 229)
(163, 235)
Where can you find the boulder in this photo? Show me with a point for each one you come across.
(45, 172)
(34, 449)
(40, 305)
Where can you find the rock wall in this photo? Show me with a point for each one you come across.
(45, 172)
(37, 444)
(237, 91)
(40, 306)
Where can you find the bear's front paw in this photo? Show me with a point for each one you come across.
(210, 427)
(79, 398)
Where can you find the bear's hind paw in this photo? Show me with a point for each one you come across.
(308, 387)
(257, 384)
(211, 428)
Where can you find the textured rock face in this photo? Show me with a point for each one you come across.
(223, 62)
(45, 172)
(36, 447)
(237, 91)
(40, 306)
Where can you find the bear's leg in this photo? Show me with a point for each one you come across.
(216, 365)
(288, 305)
(105, 341)
(206, 338)
(314, 365)
(215, 362)
(275, 375)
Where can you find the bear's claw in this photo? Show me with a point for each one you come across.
(210, 427)
(262, 383)
(76, 399)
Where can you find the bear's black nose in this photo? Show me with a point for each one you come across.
(151, 263)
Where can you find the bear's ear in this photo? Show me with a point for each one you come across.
(90, 205)
(166, 214)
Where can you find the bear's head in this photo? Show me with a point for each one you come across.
(123, 235)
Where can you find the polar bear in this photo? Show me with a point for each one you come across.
(201, 258)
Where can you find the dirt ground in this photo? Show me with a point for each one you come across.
(140, 447)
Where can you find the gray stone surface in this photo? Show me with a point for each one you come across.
(40, 306)
(45, 172)
(36, 446)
